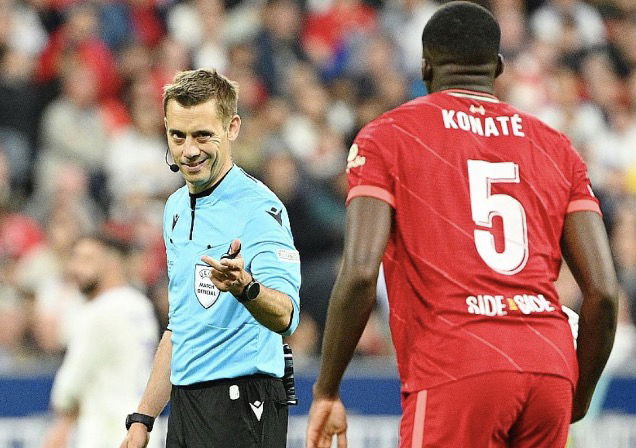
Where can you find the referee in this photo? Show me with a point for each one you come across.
(234, 277)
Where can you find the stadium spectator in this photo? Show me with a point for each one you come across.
(142, 146)
(56, 299)
(110, 351)
(420, 200)
(212, 50)
(624, 249)
(22, 30)
(14, 321)
(405, 18)
(20, 111)
(312, 207)
(229, 306)
(78, 39)
(122, 22)
(514, 33)
(278, 46)
(73, 130)
(558, 17)
(171, 58)
(330, 36)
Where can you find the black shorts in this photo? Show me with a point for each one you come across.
(246, 412)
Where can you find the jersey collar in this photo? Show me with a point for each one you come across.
(472, 94)
(207, 192)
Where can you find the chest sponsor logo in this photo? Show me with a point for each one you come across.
(207, 294)
(499, 305)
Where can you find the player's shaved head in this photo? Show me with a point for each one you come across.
(461, 33)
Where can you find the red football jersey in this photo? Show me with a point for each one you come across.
(480, 191)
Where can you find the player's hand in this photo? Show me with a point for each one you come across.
(59, 434)
(327, 418)
(137, 437)
(56, 438)
(228, 273)
(580, 407)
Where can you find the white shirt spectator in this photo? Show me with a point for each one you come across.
(107, 364)
(143, 170)
(547, 23)
(405, 20)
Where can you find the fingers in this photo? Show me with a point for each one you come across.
(325, 441)
(317, 434)
(342, 440)
(212, 262)
(235, 248)
(225, 264)
(233, 251)
(225, 274)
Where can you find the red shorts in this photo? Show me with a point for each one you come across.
(491, 410)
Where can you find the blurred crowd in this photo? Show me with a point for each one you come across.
(82, 145)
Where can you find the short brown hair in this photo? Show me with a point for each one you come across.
(193, 87)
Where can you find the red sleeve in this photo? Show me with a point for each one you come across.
(368, 171)
(581, 194)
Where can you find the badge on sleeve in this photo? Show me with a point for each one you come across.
(206, 292)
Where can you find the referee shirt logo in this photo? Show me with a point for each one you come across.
(204, 289)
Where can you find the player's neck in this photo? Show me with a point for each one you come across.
(476, 78)
(473, 86)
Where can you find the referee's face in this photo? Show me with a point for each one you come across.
(200, 142)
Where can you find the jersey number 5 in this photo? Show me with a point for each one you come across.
(485, 205)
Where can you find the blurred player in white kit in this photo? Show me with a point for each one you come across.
(110, 354)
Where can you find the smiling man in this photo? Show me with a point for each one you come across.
(234, 277)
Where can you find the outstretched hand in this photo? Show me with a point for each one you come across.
(137, 437)
(327, 418)
(228, 273)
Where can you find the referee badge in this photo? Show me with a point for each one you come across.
(206, 292)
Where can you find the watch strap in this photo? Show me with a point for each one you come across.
(144, 419)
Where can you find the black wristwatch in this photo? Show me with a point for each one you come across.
(144, 419)
(250, 292)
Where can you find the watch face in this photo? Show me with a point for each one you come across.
(253, 290)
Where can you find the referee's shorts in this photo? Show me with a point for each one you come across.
(245, 412)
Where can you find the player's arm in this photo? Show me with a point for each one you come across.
(83, 358)
(271, 308)
(354, 293)
(352, 299)
(587, 252)
(60, 432)
(156, 395)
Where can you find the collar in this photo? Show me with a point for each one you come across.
(472, 94)
(208, 191)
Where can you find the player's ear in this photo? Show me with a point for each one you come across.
(500, 65)
(233, 128)
(165, 123)
(427, 71)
